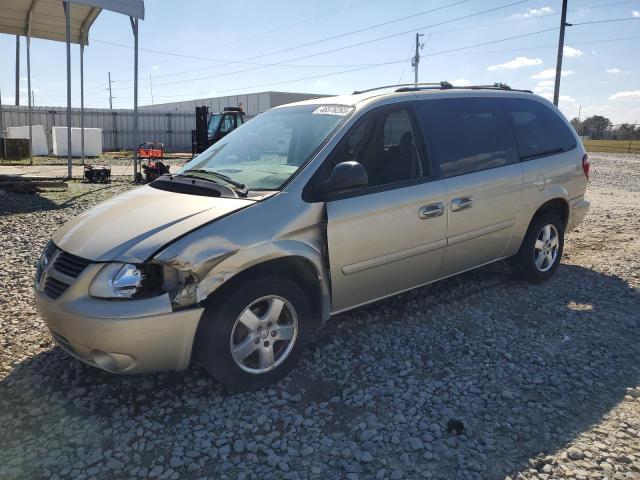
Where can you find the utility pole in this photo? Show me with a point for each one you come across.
(151, 86)
(17, 69)
(579, 123)
(415, 61)
(114, 134)
(110, 97)
(563, 24)
(33, 98)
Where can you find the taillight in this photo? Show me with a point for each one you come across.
(586, 166)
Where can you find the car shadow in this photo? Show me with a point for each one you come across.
(548, 363)
(12, 203)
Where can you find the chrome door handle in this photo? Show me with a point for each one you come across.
(431, 211)
(461, 203)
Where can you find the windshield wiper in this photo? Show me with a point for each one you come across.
(241, 188)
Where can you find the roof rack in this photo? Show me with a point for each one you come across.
(444, 85)
(432, 84)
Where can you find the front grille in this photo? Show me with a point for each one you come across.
(70, 264)
(54, 288)
(64, 264)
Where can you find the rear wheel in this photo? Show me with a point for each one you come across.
(255, 334)
(541, 249)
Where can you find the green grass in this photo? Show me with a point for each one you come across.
(613, 146)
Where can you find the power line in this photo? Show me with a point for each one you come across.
(286, 64)
(295, 24)
(181, 55)
(296, 47)
(371, 27)
(223, 62)
(391, 36)
(482, 52)
(606, 21)
(345, 47)
(339, 36)
(441, 52)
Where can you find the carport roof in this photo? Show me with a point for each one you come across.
(45, 18)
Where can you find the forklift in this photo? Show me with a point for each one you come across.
(212, 127)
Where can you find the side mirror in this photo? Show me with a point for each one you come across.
(345, 176)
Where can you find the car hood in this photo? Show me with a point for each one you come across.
(133, 226)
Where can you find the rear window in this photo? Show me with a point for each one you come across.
(467, 135)
(539, 130)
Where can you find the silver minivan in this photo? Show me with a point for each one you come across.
(308, 210)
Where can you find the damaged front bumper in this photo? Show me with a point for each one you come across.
(132, 336)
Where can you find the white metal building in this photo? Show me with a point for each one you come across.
(169, 123)
(252, 103)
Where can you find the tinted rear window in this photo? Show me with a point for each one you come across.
(467, 135)
(539, 130)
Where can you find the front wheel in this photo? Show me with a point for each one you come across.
(255, 334)
(541, 249)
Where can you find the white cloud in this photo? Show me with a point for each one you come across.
(550, 73)
(616, 71)
(155, 67)
(571, 52)
(460, 82)
(544, 86)
(532, 12)
(625, 94)
(517, 62)
(561, 99)
(636, 13)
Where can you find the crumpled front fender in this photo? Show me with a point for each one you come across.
(209, 257)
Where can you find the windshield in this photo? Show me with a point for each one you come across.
(214, 121)
(267, 150)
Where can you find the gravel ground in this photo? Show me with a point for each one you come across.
(479, 376)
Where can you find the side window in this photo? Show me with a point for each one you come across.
(228, 124)
(384, 143)
(467, 135)
(539, 130)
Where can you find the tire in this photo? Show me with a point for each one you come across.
(524, 263)
(221, 330)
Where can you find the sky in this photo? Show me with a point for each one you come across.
(199, 48)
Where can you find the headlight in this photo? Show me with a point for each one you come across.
(125, 280)
(43, 262)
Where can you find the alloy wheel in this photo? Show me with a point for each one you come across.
(264, 334)
(546, 247)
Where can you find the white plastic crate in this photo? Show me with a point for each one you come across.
(92, 141)
(39, 143)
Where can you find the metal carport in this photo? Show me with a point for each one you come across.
(68, 21)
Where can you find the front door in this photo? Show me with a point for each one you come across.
(473, 145)
(389, 236)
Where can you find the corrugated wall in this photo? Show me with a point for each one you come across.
(252, 103)
(169, 123)
(171, 128)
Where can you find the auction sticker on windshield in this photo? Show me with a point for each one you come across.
(333, 110)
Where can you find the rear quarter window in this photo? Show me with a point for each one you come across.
(467, 135)
(539, 130)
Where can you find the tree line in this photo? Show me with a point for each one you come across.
(598, 127)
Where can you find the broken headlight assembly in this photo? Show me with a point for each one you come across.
(127, 280)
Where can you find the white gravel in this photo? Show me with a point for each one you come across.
(478, 376)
